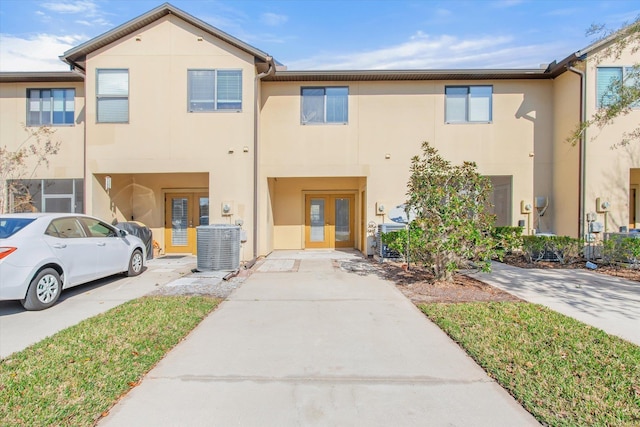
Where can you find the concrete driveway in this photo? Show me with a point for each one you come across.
(606, 302)
(20, 328)
(305, 342)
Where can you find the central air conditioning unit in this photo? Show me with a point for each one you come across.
(218, 247)
(382, 250)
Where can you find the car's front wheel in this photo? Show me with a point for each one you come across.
(136, 262)
(44, 290)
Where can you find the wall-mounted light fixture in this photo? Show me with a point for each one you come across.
(107, 182)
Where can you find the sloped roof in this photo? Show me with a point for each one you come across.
(78, 54)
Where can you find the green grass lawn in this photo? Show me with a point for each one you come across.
(562, 371)
(74, 376)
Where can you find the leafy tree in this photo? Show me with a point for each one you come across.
(623, 95)
(22, 163)
(450, 204)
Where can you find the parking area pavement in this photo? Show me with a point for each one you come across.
(20, 328)
(605, 302)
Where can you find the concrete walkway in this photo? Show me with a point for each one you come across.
(605, 302)
(304, 342)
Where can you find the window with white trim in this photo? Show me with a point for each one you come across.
(468, 104)
(112, 95)
(214, 90)
(606, 80)
(50, 106)
(324, 105)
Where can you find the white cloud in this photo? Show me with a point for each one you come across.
(38, 53)
(422, 51)
(92, 15)
(101, 22)
(85, 7)
(273, 19)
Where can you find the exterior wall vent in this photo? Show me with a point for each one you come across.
(218, 247)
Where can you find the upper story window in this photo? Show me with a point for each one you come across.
(468, 104)
(324, 105)
(214, 90)
(607, 79)
(50, 106)
(112, 95)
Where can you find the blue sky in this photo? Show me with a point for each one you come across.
(333, 34)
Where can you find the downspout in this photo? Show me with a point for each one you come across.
(583, 151)
(270, 71)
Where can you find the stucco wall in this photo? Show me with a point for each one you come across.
(68, 163)
(607, 169)
(388, 121)
(162, 137)
(563, 209)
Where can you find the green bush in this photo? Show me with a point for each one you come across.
(563, 249)
(397, 241)
(450, 203)
(507, 239)
(621, 249)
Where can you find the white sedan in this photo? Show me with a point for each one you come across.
(43, 253)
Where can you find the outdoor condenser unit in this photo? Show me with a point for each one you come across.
(218, 247)
(381, 249)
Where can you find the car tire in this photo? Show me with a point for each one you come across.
(136, 262)
(44, 290)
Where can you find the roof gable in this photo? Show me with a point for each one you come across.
(77, 56)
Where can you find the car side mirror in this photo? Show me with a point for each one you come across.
(123, 233)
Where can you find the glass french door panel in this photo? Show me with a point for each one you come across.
(343, 223)
(316, 212)
(204, 210)
(179, 221)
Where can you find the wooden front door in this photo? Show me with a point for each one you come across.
(183, 213)
(329, 221)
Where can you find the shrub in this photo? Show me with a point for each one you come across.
(621, 249)
(397, 241)
(507, 239)
(450, 205)
(564, 249)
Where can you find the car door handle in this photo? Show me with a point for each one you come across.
(60, 246)
(102, 244)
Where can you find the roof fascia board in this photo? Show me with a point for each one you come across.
(466, 74)
(40, 76)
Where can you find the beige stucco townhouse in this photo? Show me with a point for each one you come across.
(169, 121)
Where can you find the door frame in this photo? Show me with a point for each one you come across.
(330, 196)
(636, 208)
(194, 194)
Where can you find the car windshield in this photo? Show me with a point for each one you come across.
(10, 226)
